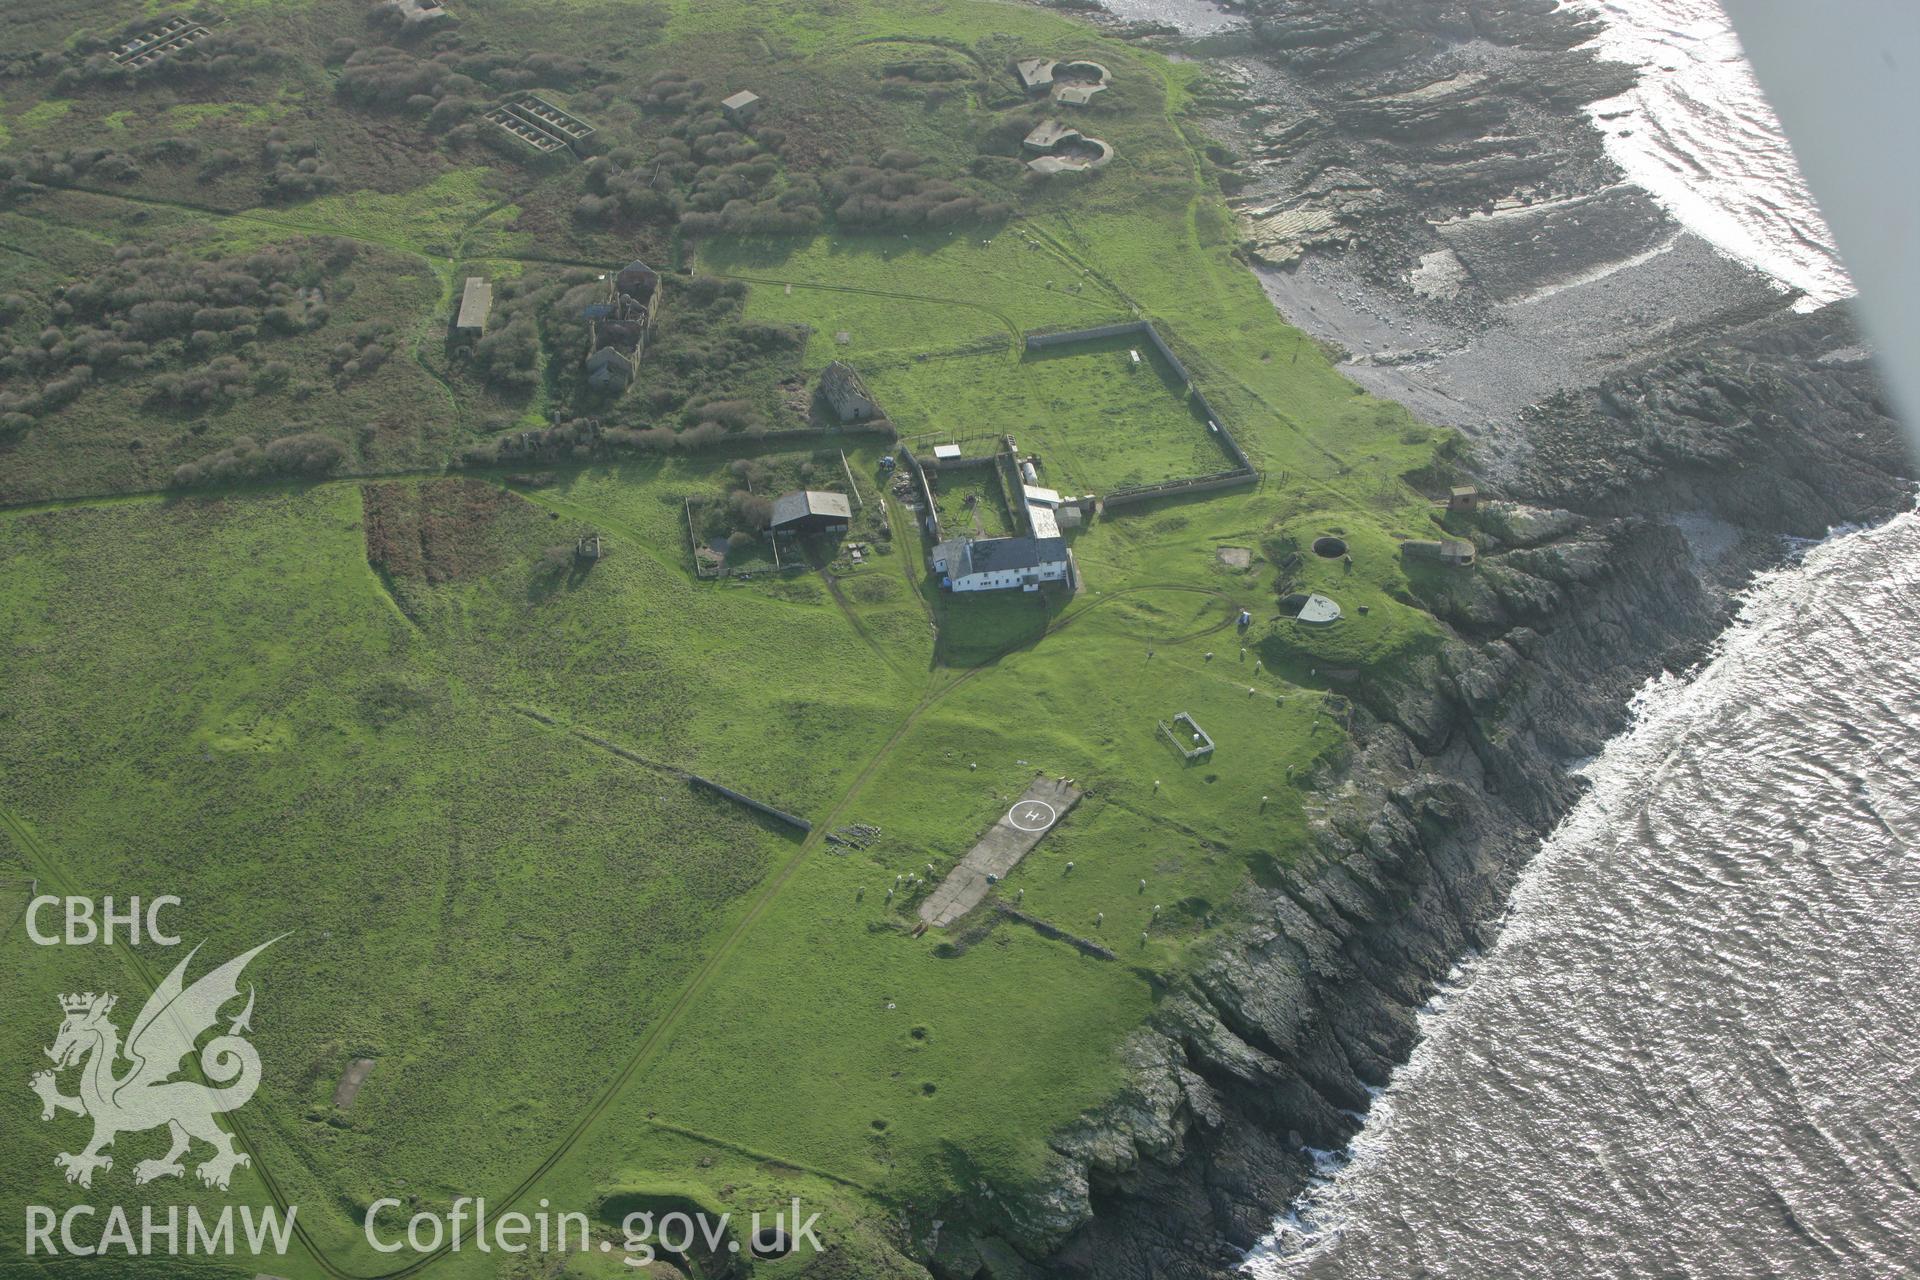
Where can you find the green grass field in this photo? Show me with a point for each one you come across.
(1097, 420)
(387, 713)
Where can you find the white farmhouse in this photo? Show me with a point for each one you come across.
(1000, 564)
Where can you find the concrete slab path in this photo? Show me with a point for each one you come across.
(1000, 849)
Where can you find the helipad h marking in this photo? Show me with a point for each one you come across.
(1031, 815)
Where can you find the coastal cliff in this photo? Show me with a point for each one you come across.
(1692, 474)
(1640, 483)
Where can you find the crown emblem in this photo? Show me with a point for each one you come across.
(82, 1003)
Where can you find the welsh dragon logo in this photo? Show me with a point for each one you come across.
(146, 1095)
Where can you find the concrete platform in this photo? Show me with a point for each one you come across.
(1000, 849)
(1318, 611)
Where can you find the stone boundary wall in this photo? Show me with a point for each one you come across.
(808, 435)
(1038, 340)
(1046, 930)
(962, 463)
(673, 771)
(930, 522)
(1244, 471)
(778, 814)
(1169, 488)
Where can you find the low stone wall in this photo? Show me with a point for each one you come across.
(1037, 340)
(1244, 472)
(962, 463)
(808, 435)
(930, 519)
(1171, 488)
(780, 815)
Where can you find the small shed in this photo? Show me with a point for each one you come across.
(476, 305)
(1463, 498)
(810, 511)
(1037, 496)
(946, 452)
(740, 105)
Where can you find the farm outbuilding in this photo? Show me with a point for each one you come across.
(476, 305)
(811, 511)
(847, 394)
(740, 105)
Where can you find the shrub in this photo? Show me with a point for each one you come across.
(750, 510)
(307, 454)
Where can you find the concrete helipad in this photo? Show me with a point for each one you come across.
(1000, 849)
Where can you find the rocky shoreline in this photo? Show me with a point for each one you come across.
(1658, 421)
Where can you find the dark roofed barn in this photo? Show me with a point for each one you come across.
(810, 511)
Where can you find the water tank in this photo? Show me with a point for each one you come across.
(1027, 470)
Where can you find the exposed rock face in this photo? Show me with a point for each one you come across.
(1387, 117)
(1457, 774)
(1783, 416)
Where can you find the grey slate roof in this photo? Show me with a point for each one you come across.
(1009, 555)
(952, 553)
(802, 503)
(476, 303)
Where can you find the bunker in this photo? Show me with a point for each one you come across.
(1330, 547)
(1311, 609)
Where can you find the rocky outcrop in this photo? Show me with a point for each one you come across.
(1370, 123)
(1584, 588)
(1783, 416)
